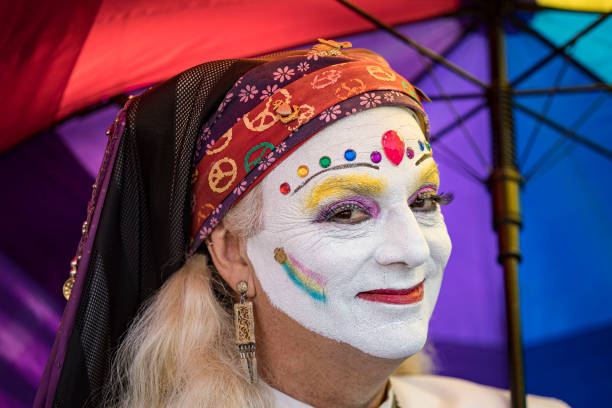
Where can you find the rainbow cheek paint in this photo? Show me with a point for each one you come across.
(307, 280)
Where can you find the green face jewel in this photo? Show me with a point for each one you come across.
(324, 161)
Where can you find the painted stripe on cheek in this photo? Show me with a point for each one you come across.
(309, 281)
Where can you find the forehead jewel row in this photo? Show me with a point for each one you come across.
(393, 147)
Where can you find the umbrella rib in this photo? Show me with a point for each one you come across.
(538, 125)
(567, 133)
(527, 6)
(447, 129)
(550, 163)
(556, 50)
(418, 47)
(546, 157)
(466, 132)
(467, 31)
(459, 164)
(567, 89)
(442, 61)
(456, 96)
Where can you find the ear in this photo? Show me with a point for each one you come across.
(228, 252)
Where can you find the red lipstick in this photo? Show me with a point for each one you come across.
(395, 296)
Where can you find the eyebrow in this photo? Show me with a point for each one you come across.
(338, 167)
(423, 158)
(343, 185)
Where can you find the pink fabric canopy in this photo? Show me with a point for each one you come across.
(57, 60)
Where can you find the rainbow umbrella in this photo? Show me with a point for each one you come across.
(521, 102)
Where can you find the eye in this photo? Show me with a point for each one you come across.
(348, 213)
(428, 201)
(425, 202)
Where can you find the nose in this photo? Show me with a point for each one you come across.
(403, 241)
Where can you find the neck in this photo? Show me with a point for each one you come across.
(314, 369)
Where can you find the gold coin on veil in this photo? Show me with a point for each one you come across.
(67, 288)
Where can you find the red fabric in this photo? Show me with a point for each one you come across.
(39, 46)
(134, 43)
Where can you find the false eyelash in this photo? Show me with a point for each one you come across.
(440, 199)
(443, 198)
(343, 207)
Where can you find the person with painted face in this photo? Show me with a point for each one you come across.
(262, 233)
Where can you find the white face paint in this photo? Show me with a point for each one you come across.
(351, 246)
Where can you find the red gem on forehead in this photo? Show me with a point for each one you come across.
(393, 146)
(285, 188)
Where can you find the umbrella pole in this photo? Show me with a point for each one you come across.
(504, 183)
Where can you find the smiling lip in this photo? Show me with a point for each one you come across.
(395, 296)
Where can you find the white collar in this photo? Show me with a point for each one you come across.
(282, 400)
(434, 391)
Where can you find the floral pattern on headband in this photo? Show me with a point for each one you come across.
(250, 134)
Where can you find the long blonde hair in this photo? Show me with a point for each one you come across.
(180, 352)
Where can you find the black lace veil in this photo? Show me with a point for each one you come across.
(143, 230)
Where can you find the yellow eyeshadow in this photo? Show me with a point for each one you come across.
(430, 174)
(342, 186)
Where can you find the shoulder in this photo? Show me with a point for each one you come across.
(446, 392)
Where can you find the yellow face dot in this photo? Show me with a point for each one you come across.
(302, 171)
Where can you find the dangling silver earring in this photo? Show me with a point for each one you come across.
(244, 322)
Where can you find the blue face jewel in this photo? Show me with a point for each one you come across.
(421, 145)
(350, 155)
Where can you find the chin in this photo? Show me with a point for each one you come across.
(388, 331)
(397, 340)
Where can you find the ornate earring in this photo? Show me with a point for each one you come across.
(245, 332)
